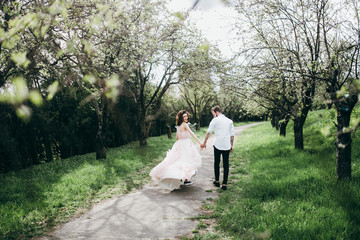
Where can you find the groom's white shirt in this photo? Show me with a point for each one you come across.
(224, 129)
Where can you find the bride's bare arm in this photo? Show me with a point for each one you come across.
(192, 134)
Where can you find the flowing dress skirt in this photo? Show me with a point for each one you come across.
(181, 162)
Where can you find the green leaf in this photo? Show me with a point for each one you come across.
(20, 90)
(9, 44)
(60, 53)
(35, 97)
(2, 35)
(32, 19)
(179, 15)
(90, 79)
(55, 8)
(20, 59)
(44, 29)
(103, 8)
(97, 21)
(110, 20)
(88, 47)
(205, 47)
(113, 87)
(52, 89)
(357, 81)
(70, 46)
(23, 112)
(5, 96)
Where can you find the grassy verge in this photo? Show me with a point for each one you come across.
(277, 192)
(34, 199)
(238, 124)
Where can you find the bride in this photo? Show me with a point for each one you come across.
(181, 161)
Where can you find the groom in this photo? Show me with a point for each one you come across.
(224, 133)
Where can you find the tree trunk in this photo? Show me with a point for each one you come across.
(283, 126)
(48, 151)
(298, 133)
(300, 120)
(198, 125)
(100, 145)
(277, 123)
(100, 136)
(343, 140)
(329, 105)
(273, 122)
(47, 140)
(142, 132)
(169, 131)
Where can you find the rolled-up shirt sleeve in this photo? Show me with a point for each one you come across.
(232, 133)
(211, 126)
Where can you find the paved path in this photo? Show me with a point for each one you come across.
(147, 213)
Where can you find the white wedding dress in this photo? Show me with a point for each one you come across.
(181, 162)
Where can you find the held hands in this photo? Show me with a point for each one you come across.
(202, 146)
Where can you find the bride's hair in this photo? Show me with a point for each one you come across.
(179, 117)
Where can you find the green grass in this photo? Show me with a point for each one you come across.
(34, 199)
(277, 192)
(238, 124)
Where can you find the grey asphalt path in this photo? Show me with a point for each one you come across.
(147, 213)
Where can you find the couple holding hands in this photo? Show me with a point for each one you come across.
(183, 159)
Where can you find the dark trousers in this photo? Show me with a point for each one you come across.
(217, 155)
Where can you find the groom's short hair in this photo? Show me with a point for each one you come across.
(216, 109)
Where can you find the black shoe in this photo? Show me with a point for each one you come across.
(188, 182)
(223, 187)
(217, 184)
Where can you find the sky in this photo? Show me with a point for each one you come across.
(214, 19)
